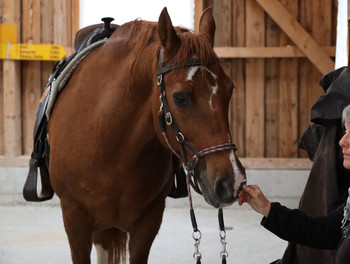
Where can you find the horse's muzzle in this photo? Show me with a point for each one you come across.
(227, 191)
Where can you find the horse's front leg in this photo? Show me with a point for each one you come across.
(144, 232)
(78, 231)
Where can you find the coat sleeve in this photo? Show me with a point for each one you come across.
(293, 225)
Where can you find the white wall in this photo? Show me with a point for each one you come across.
(180, 11)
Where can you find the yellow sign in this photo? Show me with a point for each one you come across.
(32, 52)
(11, 50)
(8, 33)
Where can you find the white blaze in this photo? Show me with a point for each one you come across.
(214, 89)
(191, 72)
(239, 177)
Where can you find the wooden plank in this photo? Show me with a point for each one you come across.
(31, 75)
(288, 95)
(1, 4)
(222, 11)
(321, 24)
(304, 77)
(60, 28)
(75, 18)
(1, 96)
(12, 88)
(255, 92)
(266, 52)
(198, 10)
(237, 107)
(272, 92)
(18, 161)
(2, 143)
(62, 25)
(298, 35)
(223, 14)
(309, 89)
(46, 38)
(276, 163)
(248, 163)
(68, 21)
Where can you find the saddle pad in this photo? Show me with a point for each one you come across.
(62, 79)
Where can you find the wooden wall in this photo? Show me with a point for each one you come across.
(275, 51)
(38, 22)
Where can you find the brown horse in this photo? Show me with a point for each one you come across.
(111, 160)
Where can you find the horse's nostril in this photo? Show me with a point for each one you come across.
(224, 189)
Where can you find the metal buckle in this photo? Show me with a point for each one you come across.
(168, 118)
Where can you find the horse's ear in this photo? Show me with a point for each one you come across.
(167, 34)
(207, 25)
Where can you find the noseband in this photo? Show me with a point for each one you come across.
(165, 117)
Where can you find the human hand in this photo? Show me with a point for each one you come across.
(252, 195)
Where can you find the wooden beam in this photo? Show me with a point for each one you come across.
(248, 163)
(12, 87)
(298, 35)
(31, 72)
(75, 17)
(288, 95)
(265, 52)
(255, 90)
(276, 163)
(18, 161)
(237, 105)
(198, 10)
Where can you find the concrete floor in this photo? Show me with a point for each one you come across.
(35, 234)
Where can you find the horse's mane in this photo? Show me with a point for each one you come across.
(192, 45)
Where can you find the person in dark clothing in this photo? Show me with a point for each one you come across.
(323, 232)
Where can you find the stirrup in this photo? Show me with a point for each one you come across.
(30, 187)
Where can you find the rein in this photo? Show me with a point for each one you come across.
(165, 117)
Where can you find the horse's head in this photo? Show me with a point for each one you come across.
(195, 94)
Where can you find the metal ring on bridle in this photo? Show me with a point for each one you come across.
(160, 79)
(223, 234)
(198, 237)
(180, 137)
(168, 118)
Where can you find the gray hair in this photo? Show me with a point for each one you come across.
(346, 115)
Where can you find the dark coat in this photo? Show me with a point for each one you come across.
(296, 226)
(328, 180)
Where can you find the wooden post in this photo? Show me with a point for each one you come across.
(198, 10)
(12, 88)
(31, 72)
(272, 92)
(2, 142)
(238, 104)
(288, 95)
(255, 90)
(75, 17)
(46, 38)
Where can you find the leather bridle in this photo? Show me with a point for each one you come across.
(165, 117)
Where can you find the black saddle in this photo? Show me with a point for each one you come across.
(90, 34)
(40, 156)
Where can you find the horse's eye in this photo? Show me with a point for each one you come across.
(180, 99)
